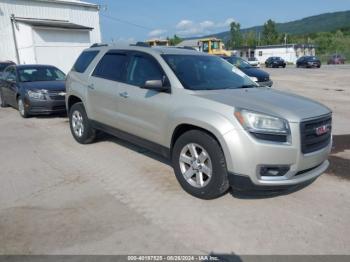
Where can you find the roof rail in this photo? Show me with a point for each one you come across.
(98, 45)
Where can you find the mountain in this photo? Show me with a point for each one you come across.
(319, 23)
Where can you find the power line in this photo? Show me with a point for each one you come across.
(126, 22)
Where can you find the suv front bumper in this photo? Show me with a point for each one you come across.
(245, 155)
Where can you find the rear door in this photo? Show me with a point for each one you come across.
(104, 86)
(143, 111)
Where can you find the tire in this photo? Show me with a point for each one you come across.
(80, 125)
(212, 186)
(23, 112)
(3, 102)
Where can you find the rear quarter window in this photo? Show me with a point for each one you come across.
(84, 61)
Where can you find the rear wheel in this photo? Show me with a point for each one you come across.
(3, 101)
(199, 165)
(21, 108)
(80, 125)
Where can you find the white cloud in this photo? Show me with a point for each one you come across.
(157, 33)
(189, 28)
(184, 24)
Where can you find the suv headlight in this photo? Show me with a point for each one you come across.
(258, 123)
(37, 94)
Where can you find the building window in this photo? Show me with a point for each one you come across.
(260, 53)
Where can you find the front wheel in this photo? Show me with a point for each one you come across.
(21, 108)
(80, 125)
(199, 165)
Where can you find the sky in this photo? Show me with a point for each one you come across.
(139, 20)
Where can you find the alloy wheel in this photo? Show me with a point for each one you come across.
(195, 165)
(77, 123)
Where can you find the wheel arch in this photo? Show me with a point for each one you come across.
(184, 127)
(72, 99)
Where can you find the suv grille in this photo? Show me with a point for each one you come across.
(316, 134)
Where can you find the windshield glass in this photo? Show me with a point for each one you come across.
(3, 66)
(215, 45)
(37, 74)
(239, 62)
(197, 72)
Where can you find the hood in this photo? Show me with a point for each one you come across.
(48, 85)
(255, 72)
(288, 106)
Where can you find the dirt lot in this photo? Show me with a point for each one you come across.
(110, 197)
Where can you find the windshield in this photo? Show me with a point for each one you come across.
(37, 74)
(311, 58)
(3, 66)
(239, 62)
(215, 45)
(197, 72)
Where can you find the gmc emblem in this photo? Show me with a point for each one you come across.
(321, 130)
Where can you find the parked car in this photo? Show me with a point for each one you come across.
(3, 65)
(253, 62)
(308, 62)
(257, 75)
(33, 89)
(218, 127)
(336, 59)
(275, 62)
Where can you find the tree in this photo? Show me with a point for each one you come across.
(270, 34)
(249, 39)
(175, 40)
(235, 35)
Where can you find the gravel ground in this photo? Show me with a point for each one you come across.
(110, 197)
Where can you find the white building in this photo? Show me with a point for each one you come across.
(47, 31)
(290, 52)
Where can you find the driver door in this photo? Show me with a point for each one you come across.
(141, 110)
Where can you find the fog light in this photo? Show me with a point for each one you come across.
(273, 170)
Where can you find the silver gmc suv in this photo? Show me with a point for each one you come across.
(218, 128)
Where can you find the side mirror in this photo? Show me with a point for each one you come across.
(156, 85)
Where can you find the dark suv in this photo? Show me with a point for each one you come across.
(275, 62)
(309, 62)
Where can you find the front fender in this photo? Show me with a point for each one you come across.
(218, 125)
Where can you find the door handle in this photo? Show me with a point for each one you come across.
(124, 94)
(91, 86)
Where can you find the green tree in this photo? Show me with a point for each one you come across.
(270, 34)
(235, 35)
(249, 39)
(174, 40)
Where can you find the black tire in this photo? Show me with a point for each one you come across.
(218, 184)
(3, 101)
(22, 112)
(88, 133)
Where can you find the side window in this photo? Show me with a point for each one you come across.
(11, 74)
(112, 67)
(84, 61)
(142, 69)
